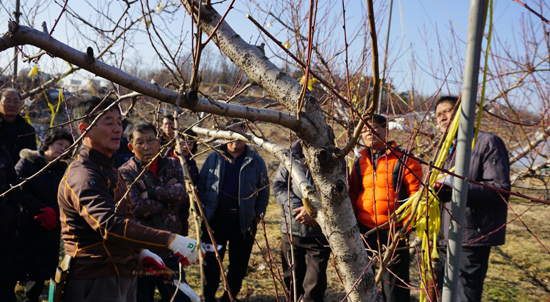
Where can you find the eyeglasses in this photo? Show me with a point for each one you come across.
(440, 115)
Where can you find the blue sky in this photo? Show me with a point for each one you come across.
(415, 27)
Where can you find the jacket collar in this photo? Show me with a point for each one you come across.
(162, 161)
(18, 120)
(33, 156)
(97, 156)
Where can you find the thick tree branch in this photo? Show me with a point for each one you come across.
(20, 35)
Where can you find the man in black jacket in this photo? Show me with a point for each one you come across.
(486, 209)
(8, 208)
(15, 133)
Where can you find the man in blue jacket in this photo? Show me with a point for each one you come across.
(234, 195)
(486, 209)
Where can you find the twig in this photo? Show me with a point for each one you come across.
(69, 150)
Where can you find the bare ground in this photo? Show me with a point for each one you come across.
(518, 270)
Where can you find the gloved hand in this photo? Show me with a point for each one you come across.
(182, 246)
(192, 258)
(445, 183)
(48, 219)
(149, 258)
(448, 180)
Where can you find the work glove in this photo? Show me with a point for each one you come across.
(192, 258)
(48, 219)
(183, 247)
(149, 259)
(445, 183)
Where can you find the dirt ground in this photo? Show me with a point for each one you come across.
(518, 270)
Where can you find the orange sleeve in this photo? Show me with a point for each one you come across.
(413, 179)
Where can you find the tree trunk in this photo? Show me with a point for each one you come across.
(335, 214)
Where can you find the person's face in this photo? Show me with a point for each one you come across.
(57, 148)
(237, 147)
(372, 141)
(168, 127)
(186, 146)
(10, 105)
(105, 136)
(144, 145)
(444, 115)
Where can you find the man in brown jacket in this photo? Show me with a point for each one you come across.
(97, 224)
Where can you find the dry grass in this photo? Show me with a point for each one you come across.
(259, 286)
(518, 270)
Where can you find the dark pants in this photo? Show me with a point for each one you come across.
(107, 289)
(474, 262)
(310, 264)
(7, 273)
(395, 284)
(227, 229)
(146, 285)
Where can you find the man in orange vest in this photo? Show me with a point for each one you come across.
(381, 179)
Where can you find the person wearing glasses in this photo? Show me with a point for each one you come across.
(486, 209)
(156, 198)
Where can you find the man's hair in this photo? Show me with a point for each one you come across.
(379, 119)
(9, 90)
(56, 135)
(168, 116)
(125, 123)
(140, 127)
(193, 134)
(448, 98)
(83, 109)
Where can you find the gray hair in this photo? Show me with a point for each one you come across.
(10, 90)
